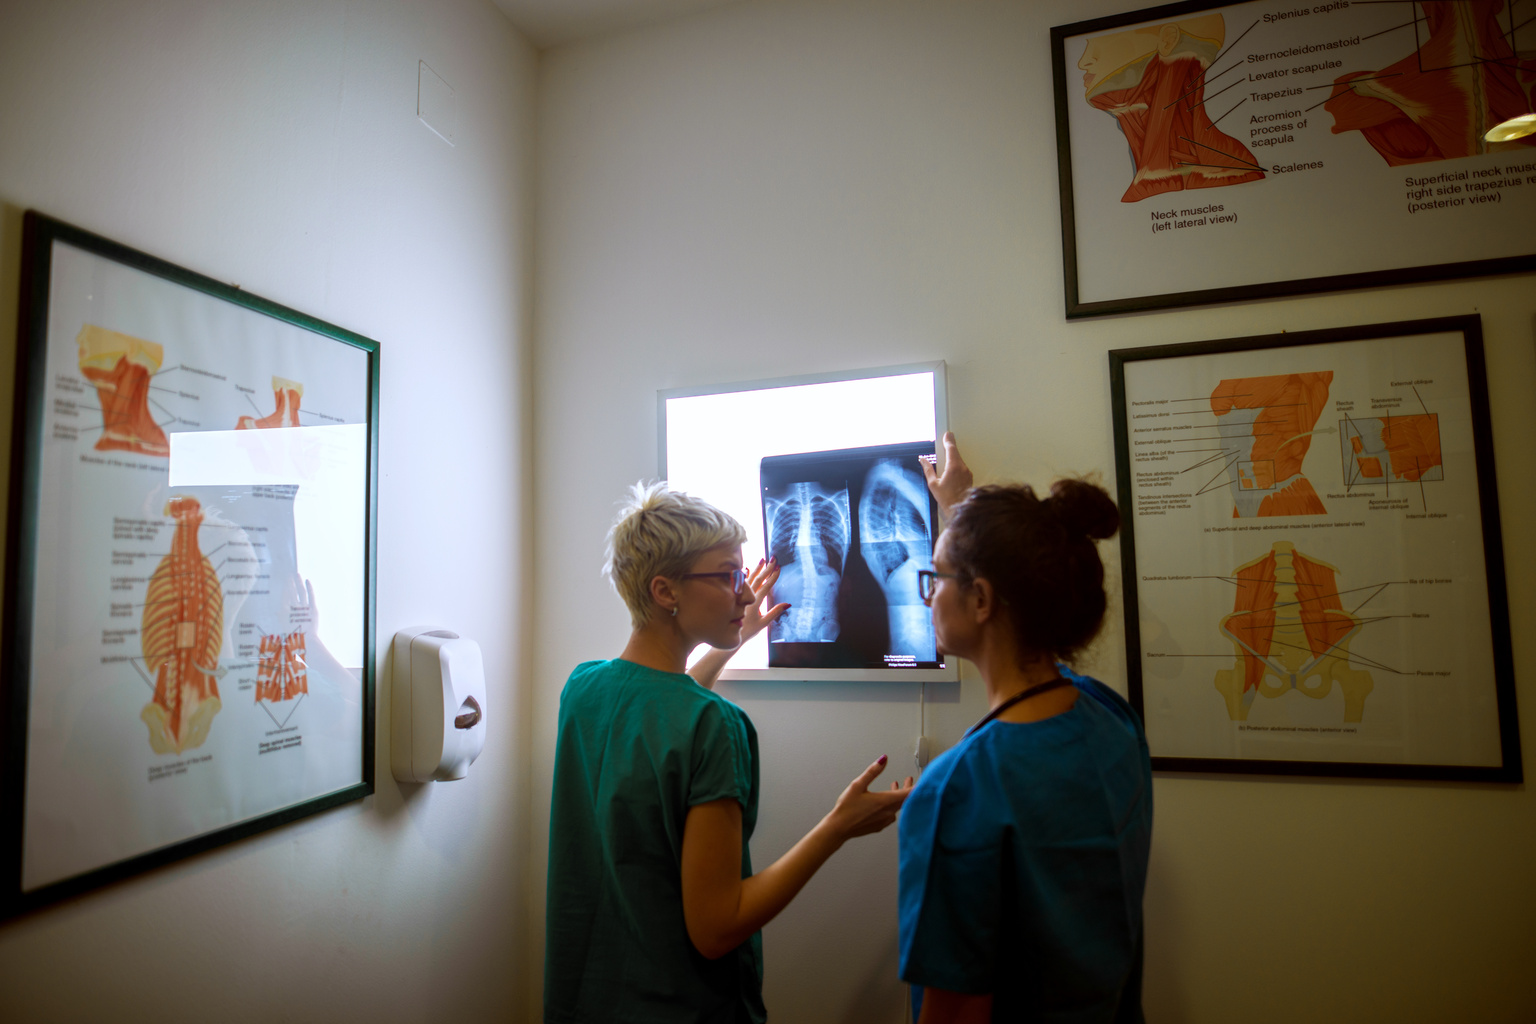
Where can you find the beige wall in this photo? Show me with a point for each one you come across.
(792, 187)
(275, 145)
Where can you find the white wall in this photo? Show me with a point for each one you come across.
(791, 187)
(275, 145)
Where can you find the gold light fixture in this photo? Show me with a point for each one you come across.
(1514, 128)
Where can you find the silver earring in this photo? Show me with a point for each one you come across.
(674, 611)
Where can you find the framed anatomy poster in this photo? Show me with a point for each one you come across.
(189, 569)
(1212, 153)
(1313, 569)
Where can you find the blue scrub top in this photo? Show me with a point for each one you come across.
(1023, 861)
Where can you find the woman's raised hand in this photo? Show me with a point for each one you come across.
(860, 812)
(761, 580)
(956, 482)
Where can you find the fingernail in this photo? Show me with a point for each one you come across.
(882, 759)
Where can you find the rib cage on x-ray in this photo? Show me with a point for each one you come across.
(809, 531)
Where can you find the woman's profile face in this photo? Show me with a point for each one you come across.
(947, 605)
(709, 609)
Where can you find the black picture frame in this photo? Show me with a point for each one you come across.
(1323, 212)
(285, 677)
(1188, 610)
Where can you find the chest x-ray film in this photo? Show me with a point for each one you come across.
(850, 529)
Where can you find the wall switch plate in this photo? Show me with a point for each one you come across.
(436, 103)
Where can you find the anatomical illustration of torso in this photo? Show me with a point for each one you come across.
(1266, 426)
(277, 654)
(1390, 449)
(182, 635)
(896, 541)
(120, 367)
(810, 527)
(283, 670)
(1151, 80)
(1289, 631)
(1438, 101)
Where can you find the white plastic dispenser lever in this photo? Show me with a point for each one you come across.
(437, 705)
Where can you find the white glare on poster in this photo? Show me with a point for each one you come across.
(725, 447)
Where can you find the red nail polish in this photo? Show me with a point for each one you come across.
(882, 759)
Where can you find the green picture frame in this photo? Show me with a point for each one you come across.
(171, 684)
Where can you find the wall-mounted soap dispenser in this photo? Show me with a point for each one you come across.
(437, 705)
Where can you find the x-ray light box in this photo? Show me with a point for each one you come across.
(824, 468)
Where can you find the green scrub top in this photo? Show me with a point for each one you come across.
(637, 748)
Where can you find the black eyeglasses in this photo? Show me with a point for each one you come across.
(927, 580)
(738, 577)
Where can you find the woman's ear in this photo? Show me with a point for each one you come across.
(982, 599)
(663, 593)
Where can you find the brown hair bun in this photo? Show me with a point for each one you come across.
(1084, 508)
(1039, 557)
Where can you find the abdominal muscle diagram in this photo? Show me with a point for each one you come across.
(227, 596)
(1293, 624)
(1264, 428)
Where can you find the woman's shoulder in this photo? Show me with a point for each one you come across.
(1104, 700)
(618, 680)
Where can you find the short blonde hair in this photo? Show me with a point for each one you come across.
(661, 532)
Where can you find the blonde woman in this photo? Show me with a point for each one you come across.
(653, 908)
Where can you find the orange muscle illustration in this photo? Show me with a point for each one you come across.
(1436, 103)
(1152, 81)
(1406, 446)
(1288, 624)
(282, 673)
(120, 367)
(286, 393)
(182, 634)
(1266, 428)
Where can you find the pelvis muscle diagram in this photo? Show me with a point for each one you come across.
(1151, 80)
(1288, 625)
(1436, 103)
(183, 630)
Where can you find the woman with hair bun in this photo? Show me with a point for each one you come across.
(653, 910)
(1024, 847)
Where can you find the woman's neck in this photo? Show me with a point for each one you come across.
(658, 645)
(1014, 679)
(1006, 674)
